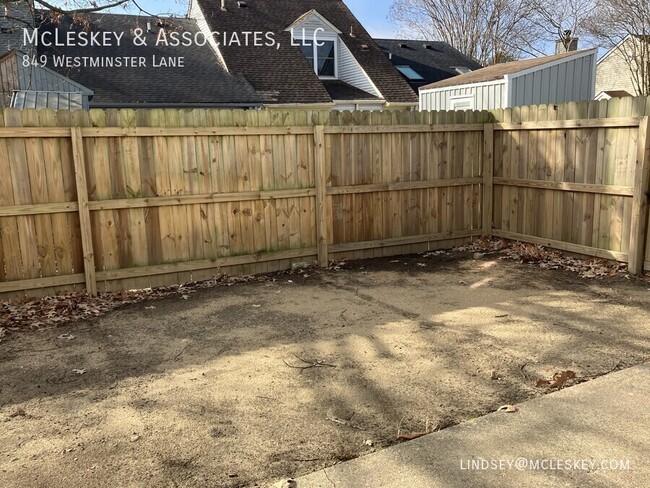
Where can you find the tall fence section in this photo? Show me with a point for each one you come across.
(110, 200)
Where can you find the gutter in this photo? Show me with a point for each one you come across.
(106, 105)
(309, 106)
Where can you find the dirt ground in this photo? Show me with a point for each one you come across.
(206, 390)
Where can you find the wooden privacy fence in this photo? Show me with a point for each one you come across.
(575, 177)
(109, 200)
(122, 199)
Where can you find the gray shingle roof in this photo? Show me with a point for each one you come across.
(433, 63)
(284, 72)
(339, 90)
(201, 82)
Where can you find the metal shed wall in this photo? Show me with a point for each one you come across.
(569, 81)
(487, 96)
(44, 79)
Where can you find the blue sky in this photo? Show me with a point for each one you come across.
(372, 13)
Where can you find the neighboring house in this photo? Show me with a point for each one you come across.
(609, 94)
(424, 62)
(618, 70)
(201, 82)
(560, 78)
(36, 76)
(347, 71)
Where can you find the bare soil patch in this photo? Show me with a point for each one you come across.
(241, 385)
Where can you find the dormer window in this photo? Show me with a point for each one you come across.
(320, 54)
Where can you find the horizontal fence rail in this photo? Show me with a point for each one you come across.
(111, 200)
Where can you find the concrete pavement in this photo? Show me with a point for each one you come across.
(596, 434)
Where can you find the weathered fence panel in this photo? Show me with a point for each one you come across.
(565, 176)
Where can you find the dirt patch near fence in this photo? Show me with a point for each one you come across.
(242, 385)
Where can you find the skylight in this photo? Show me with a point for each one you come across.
(410, 73)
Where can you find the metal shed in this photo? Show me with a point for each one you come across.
(566, 77)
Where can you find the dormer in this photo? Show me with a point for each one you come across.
(319, 42)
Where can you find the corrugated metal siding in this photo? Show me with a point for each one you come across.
(42, 79)
(56, 101)
(571, 81)
(487, 96)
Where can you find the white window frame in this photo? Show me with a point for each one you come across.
(462, 99)
(317, 39)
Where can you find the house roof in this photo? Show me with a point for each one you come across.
(433, 60)
(499, 71)
(615, 93)
(284, 72)
(201, 82)
(339, 90)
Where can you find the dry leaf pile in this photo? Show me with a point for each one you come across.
(546, 258)
(62, 309)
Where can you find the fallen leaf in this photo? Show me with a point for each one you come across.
(410, 437)
(79, 371)
(67, 337)
(558, 381)
(507, 409)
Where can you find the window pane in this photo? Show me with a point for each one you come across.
(325, 54)
(307, 49)
(409, 72)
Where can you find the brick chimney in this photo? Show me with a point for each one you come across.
(14, 17)
(566, 43)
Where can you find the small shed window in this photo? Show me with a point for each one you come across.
(461, 102)
(320, 55)
(409, 72)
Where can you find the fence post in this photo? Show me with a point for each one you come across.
(488, 178)
(321, 195)
(640, 199)
(84, 212)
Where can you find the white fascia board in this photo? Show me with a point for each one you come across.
(590, 52)
(507, 83)
(464, 85)
(312, 13)
(368, 79)
(614, 49)
(202, 23)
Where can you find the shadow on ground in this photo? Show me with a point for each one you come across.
(209, 391)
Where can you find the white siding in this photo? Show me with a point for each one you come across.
(310, 24)
(348, 68)
(487, 96)
(196, 14)
(351, 71)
